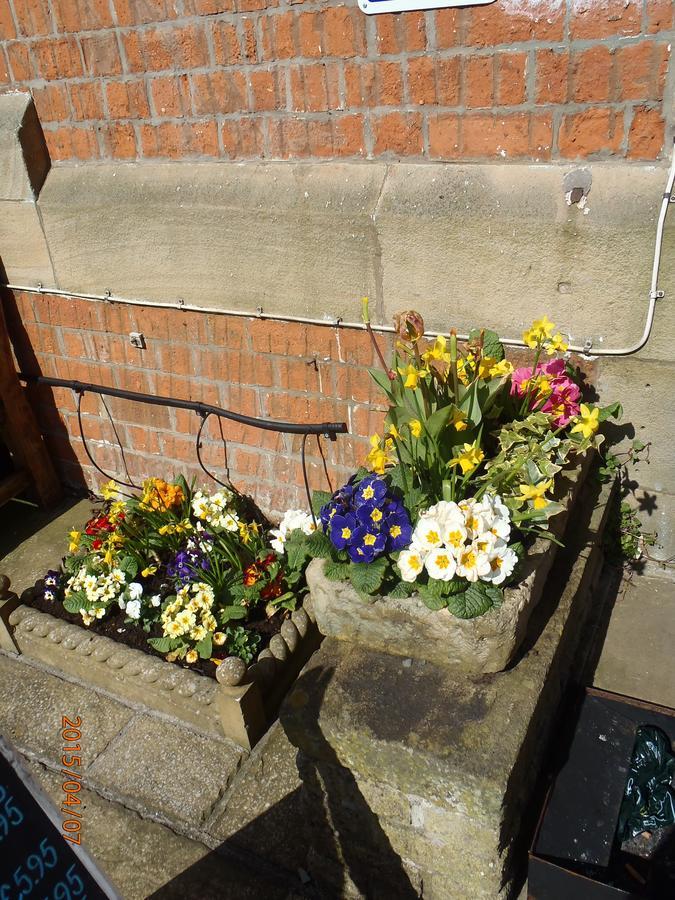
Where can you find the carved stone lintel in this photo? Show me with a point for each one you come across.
(242, 713)
(8, 603)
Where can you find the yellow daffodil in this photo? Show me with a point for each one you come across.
(535, 493)
(557, 344)
(461, 371)
(176, 527)
(485, 366)
(588, 421)
(109, 490)
(394, 432)
(541, 330)
(379, 457)
(415, 427)
(437, 352)
(109, 556)
(74, 541)
(459, 420)
(148, 570)
(411, 375)
(469, 459)
(500, 369)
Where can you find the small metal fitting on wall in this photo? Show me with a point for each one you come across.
(576, 187)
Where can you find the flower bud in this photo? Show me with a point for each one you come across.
(409, 325)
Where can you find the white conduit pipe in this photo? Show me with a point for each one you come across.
(586, 350)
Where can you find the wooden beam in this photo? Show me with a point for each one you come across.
(13, 484)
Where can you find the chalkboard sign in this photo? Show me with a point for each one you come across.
(36, 863)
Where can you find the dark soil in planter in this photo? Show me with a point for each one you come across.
(113, 626)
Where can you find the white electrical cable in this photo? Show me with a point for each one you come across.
(586, 350)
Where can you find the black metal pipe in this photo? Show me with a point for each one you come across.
(330, 429)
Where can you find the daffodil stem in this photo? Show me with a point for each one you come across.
(532, 385)
(453, 362)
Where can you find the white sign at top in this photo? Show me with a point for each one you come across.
(373, 7)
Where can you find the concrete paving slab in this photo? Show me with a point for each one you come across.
(637, 655)
(143, 858)
(33, 701)
(158, 767)
(33, 541)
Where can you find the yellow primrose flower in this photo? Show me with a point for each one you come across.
(535, 493)
(415, 427)
(148, 570)
(588, 422)
(544, 387)
(469, 459)
(459, 420)
(191, 656)
(109, 490)
(557, 344)
(74, 541)
(412, 375)
(219, 638)
(500, 369)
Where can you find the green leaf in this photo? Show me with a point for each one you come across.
(614, 411)
(162, 644)
(492, 346)
(382, 380)
(475, 601)
(432, 594)
(130, 568)
(72, 564)
(319, 499)
(638, 445)
(75, 603)
(227, 613)
(336, 571)
(401, 590)
(438, 420)
(205, 647)
(367, 577)
(297, 550)
(319, 545)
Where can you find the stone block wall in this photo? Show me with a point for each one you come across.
(278, 79)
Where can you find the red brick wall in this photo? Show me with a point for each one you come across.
(541, 79)
(278, 370)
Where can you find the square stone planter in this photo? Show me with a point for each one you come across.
(240, 704)
(410, 629)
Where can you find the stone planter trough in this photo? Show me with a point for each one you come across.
(410, 629)
(240, 704)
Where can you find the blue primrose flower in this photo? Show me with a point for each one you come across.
(398, 529)
(367, 545)
(342, 530)
(372, 490)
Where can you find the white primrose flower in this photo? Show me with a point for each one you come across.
(502, 563)
(441, 564)
(428, 533)
(410, 563)
(122, 602)
(472, 564)
(135, 590)
(496, 514)
(454, 535)
(134, 609)
(155, 600)
(293, 519)
(445, 512)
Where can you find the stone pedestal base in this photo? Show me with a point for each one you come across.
(416, 778)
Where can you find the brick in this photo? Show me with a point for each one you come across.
(541, 136)
(309, 89)
(496, 24)
(178, 47)
(255, 5)
(447, 28)
(344, 32)
(444, 136)
(448, 81)
(511, 71)
(398, 133)
(604, 18)
(119, 141)
(659, 15)
(32, 17)
(141, 12)
(591, 73)
(267, 93)
(641, 70)
(647, 134)
(422, 80)
(51, 103)
(226, 46)
(320, 138)
(7, 29)
(101, 54)
(552, 76)
(73, 343)
(479, 81)
(278, 36)
(127, 100)
(373, 84)
(242, 138)
(488, 136)
(20, 61)
(310, 34)
(348, 137)
(590, 132)
(87, 100)
(289, 139)
(400, 34)
(5, 76)
(174, 140)
(249, 42)
(81, 15)
(57, 58)
(219, 92)
(171, 96)
(72, 143)
(208, 7)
